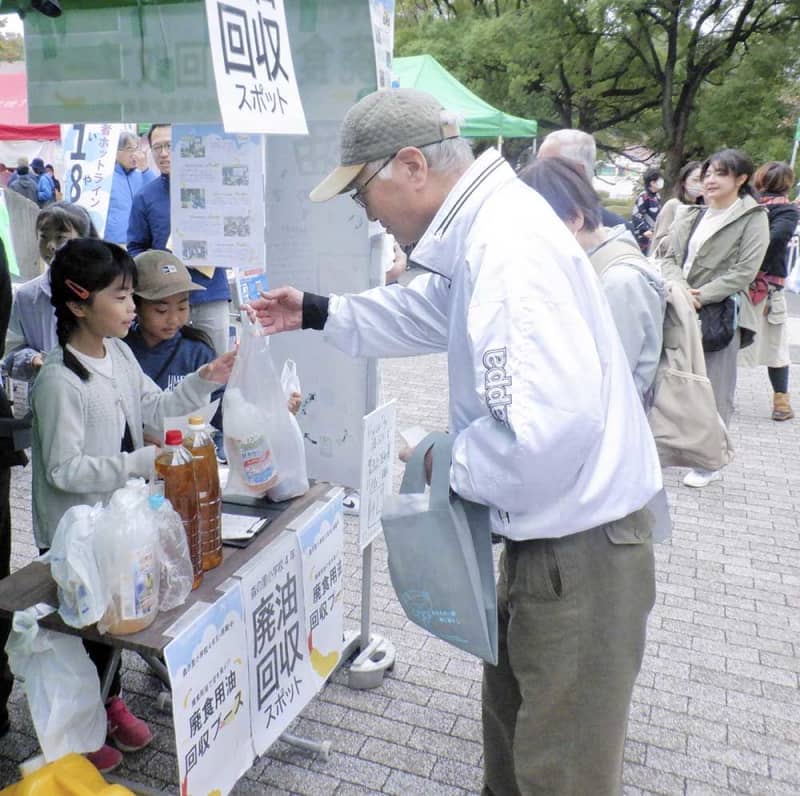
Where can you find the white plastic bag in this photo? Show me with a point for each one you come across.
(127, 550)
(263, 442)
(82, 592)
(61, 685)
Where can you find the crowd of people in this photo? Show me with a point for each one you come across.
(551, 309)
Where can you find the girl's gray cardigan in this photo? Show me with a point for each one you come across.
(76, 457)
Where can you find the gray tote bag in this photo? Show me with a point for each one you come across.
(440, 555)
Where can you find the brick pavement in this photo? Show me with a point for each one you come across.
(716, 708)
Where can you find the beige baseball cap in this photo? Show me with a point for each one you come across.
(380, 125)
(160, 274)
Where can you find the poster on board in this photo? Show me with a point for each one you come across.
(90, 153)
(217, 198)
(281, 684)
(320, 533)
(256, 83)
(382, 12)
(210, 697)
(377, 465)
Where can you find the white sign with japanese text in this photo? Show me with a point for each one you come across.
(376, 469)
(256, 83)
(320, 532)
(217, 197)
(277, 651)
(210, 697)
(90, 153)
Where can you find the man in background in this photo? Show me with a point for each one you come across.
(580, 148)
(127, 182)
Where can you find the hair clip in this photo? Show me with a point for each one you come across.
(80, 292)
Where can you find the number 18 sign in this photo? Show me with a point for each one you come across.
(90, 152)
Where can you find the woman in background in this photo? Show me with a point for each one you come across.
(716, 251)
(773, 181)
(688, 191)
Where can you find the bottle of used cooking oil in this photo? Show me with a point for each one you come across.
(199, 443)
(175, 466)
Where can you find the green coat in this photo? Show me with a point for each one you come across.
(727, 262)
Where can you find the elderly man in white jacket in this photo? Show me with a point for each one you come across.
(549, 429)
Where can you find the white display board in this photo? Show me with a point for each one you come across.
(377, 465)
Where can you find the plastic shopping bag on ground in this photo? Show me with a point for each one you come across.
(263, 443)
(82, 592)
(61, 685)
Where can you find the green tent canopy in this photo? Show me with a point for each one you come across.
(481, 120)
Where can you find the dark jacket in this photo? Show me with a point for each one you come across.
(14, 434)
(783, 220)
(187, 356)
(644, 217)
(149, 228)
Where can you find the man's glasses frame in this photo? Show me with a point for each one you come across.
(359, 195)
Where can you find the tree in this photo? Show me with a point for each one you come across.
(10, 44)
(632, 70)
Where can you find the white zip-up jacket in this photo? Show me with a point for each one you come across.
(549, 429)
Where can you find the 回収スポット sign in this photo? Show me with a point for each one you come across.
(277, 650)
(256, 82)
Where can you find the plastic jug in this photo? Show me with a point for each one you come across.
(175, 467)
(199, 443)
(128, 552)
(71, 775)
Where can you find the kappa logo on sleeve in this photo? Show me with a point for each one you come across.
(497, 383)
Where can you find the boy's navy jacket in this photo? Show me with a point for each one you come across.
(149, 228)
(190, 355)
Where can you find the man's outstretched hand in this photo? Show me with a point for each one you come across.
(279, 310)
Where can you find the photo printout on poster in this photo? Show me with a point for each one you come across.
(217, 197)
(256, 83)
(207, 666)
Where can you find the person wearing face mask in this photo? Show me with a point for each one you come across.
(645, 212)
(688, 191)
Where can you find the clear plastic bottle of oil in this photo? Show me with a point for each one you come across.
(175, 467)
(199, 443)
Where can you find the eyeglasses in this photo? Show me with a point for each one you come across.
(358, 196)
(159, 148)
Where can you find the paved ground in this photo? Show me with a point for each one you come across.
(716, 708)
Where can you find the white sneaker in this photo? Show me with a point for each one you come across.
(699, 478)
(351, 504)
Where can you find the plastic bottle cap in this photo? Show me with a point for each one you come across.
(156, 501)
(196, 420)
(173, 437)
